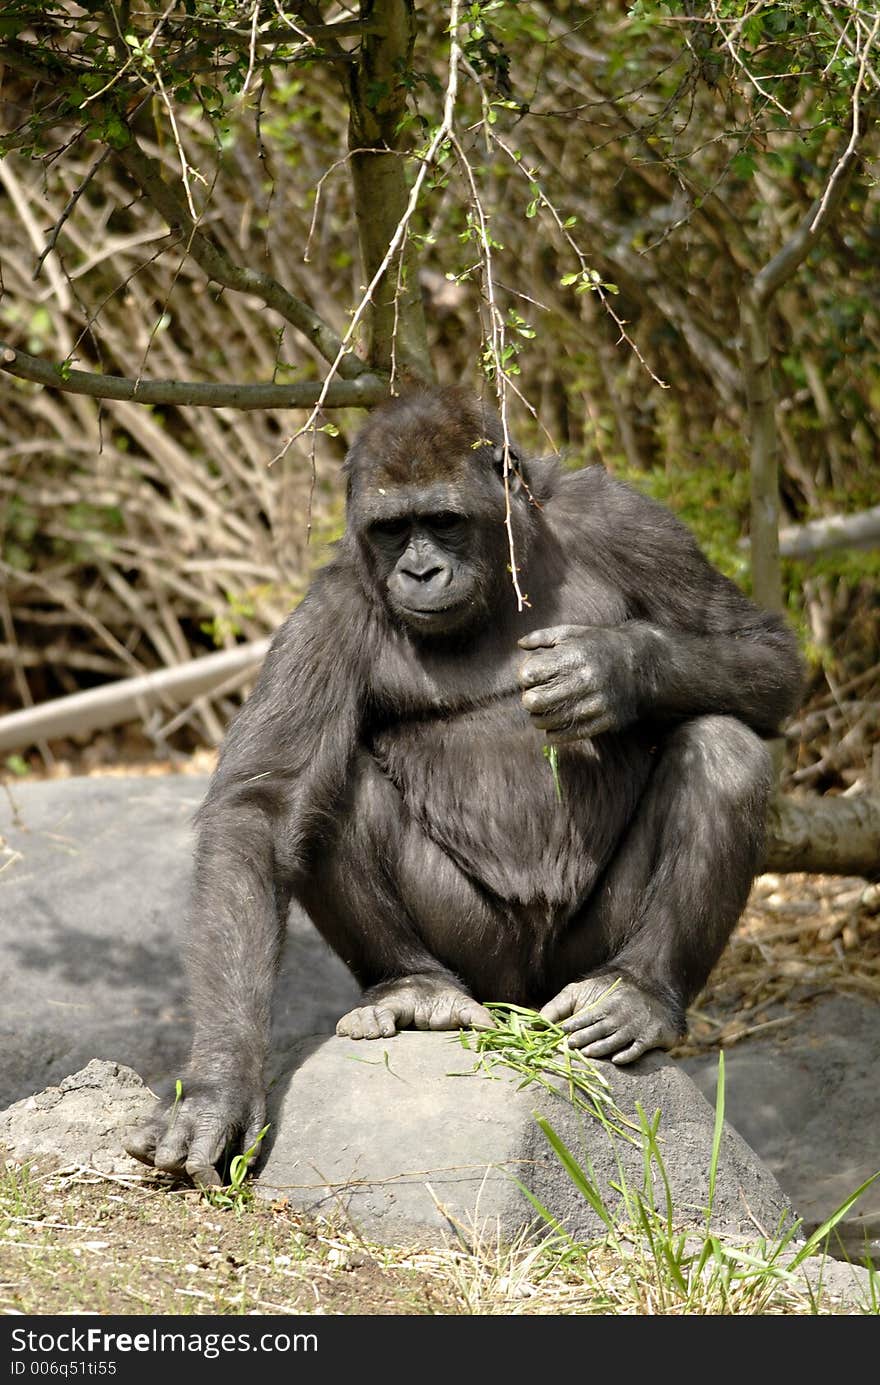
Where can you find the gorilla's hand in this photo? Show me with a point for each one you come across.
(413, 1002)
(194, 1133)
(580, 681)
(611, 1017)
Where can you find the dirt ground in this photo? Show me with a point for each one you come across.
(75, 1242)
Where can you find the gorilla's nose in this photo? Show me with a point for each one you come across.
(435, 573)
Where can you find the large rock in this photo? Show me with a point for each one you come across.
(94, 884)
(94, 877)
(78, 1124)
(809, 1102)
(411, 1143)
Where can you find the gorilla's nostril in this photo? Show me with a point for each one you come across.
(423, 574)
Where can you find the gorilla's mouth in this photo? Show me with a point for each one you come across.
(437, 617)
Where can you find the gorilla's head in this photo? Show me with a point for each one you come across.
(427, 507)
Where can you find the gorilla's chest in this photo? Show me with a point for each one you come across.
(478, 783)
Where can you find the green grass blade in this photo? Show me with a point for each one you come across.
(818, 1236)
(716, 1135)
(576, 1173)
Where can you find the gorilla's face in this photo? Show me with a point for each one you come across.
(428, 499)
(428, 560)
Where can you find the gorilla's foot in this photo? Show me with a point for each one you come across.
(610, 1016)
(413, 1002)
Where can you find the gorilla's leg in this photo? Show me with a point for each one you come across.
(397, 911)
(667, 903)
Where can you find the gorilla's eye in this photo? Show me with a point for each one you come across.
(389, 528)
(444, 519)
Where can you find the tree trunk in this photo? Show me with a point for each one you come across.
(761, 400)
(377, 99)
(757, 297)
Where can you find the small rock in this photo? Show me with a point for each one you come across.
(81, 1120)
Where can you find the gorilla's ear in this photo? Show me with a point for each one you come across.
(514, 474)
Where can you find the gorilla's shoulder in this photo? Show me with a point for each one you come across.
(596, 495)
(333, 602)
(336, 582)
(589, 492)
(582, 483)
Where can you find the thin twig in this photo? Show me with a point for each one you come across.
(842, 164)
(66, 211)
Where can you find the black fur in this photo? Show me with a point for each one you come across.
(388, 770)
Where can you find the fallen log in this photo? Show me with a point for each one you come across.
(129, 699)
(825, 836)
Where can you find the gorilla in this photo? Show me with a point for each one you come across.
(389, 772)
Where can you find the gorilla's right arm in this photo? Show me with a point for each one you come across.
(283, 762)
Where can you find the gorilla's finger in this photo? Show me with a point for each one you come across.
(586, 1040)
(368, 1022)
(577, 721)
(599, 1048)
(203, 1172)
(140, 1142)
(560, 1007)
(581, 731)
(590, 1020)
(536, 672)
(629, 1055)
(552, 635)
(545, 696)
(206, 1152)
(251, 1136)
(472, 1015)
(171, 1151)
(378, 1022)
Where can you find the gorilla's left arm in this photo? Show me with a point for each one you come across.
(693, 645)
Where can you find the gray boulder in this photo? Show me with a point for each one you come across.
(412, 1144)
(94, 886)
(808, 1101)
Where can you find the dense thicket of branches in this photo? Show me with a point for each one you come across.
(608, 187)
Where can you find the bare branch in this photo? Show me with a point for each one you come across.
(440, 138)
(757, 357)
(842, 166)
(365, 390)
(833, 836)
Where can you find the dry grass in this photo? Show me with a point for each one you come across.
(76, 1241)
(800, 937)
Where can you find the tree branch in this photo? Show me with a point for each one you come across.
(365, 389)
(806, 234)
(758, 372)
(825, 836)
